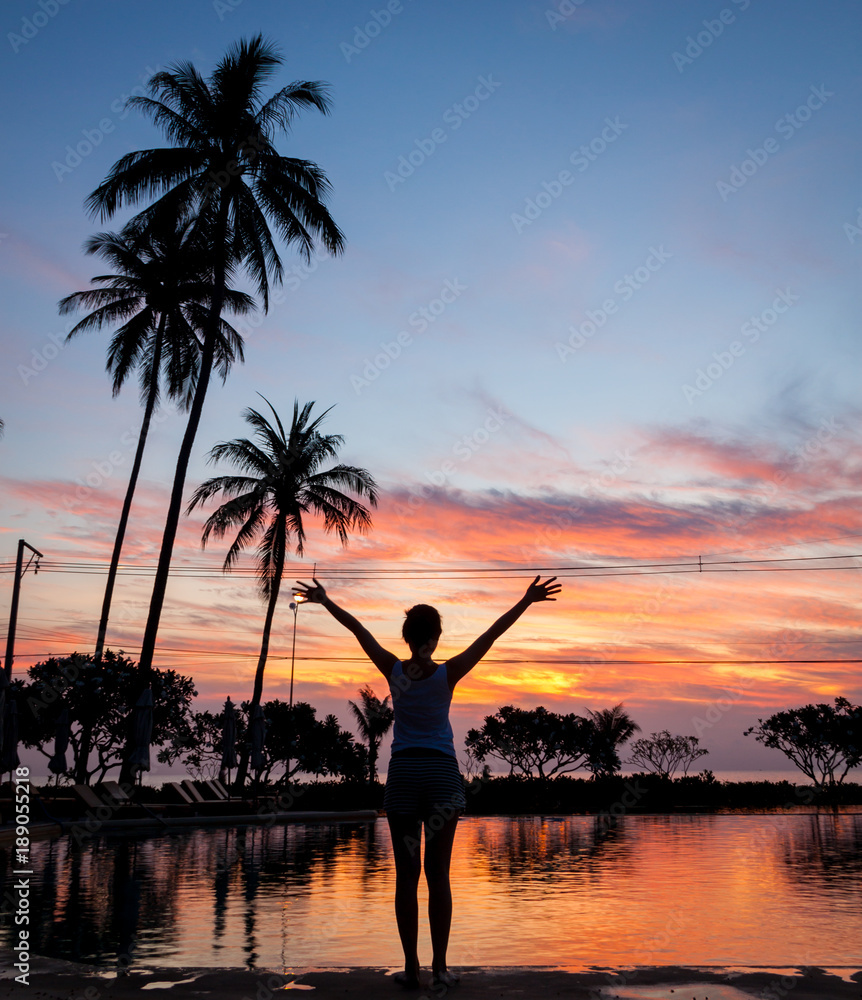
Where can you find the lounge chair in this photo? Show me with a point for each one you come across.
(207, 806)
(220, 788)
(116, 794)
(207, 792)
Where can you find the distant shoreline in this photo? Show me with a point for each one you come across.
(795, 777)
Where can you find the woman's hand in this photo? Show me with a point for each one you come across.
(542, 591)
(315, 594)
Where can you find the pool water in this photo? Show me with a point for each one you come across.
(741, 890)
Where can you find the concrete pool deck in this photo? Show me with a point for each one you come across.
(51, 979)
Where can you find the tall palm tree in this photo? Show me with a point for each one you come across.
(159, 291)
(374, 719)
(223, 170)
(283, 481)
(611, 727)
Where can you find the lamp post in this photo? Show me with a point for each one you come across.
(294, 607)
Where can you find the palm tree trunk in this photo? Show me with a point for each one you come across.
(175, 507)
(257, 694)
(130, 490)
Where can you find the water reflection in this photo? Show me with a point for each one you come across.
(91, 905)
(543, 849)
(825, 848)
(646, 889)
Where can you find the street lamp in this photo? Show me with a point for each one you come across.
(294, 607)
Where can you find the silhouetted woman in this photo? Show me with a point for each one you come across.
(423, 784)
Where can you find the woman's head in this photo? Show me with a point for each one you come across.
(421, 625)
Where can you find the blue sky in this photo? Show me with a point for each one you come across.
(489, 103)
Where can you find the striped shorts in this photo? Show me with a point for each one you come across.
(422, 783)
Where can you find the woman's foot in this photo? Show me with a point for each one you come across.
(445, 978)
(407, 980)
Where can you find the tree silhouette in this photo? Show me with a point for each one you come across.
(665, 754)
(223, 171)
(611, 727)
(100, 695)
(159, 291)
(532, 740)
(822, 741)
(374, 719)
(283, 481)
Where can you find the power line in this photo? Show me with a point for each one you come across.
(401, 573)
(589, 661)
(48, 633)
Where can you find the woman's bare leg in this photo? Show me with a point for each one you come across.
(406, 833)
(438, 855)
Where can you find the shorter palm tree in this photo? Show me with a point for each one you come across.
(283, 481)
(374, 718)
(610, 728)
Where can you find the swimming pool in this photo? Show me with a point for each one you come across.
(767, 890)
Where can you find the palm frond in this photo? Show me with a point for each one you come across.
(143, 174)
(245, 455)
(231, 486)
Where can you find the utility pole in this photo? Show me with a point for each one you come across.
(20, 570)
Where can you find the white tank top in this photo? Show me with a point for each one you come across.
(421, 710)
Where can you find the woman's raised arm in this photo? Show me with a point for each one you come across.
(460, 665)
(380, 657)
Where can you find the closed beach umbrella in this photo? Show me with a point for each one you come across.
(142, 733)
(57, 764)
(3, 685)
(228, 736)
(258, 732)
(9, 759)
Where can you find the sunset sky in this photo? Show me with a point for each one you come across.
(621, 243)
